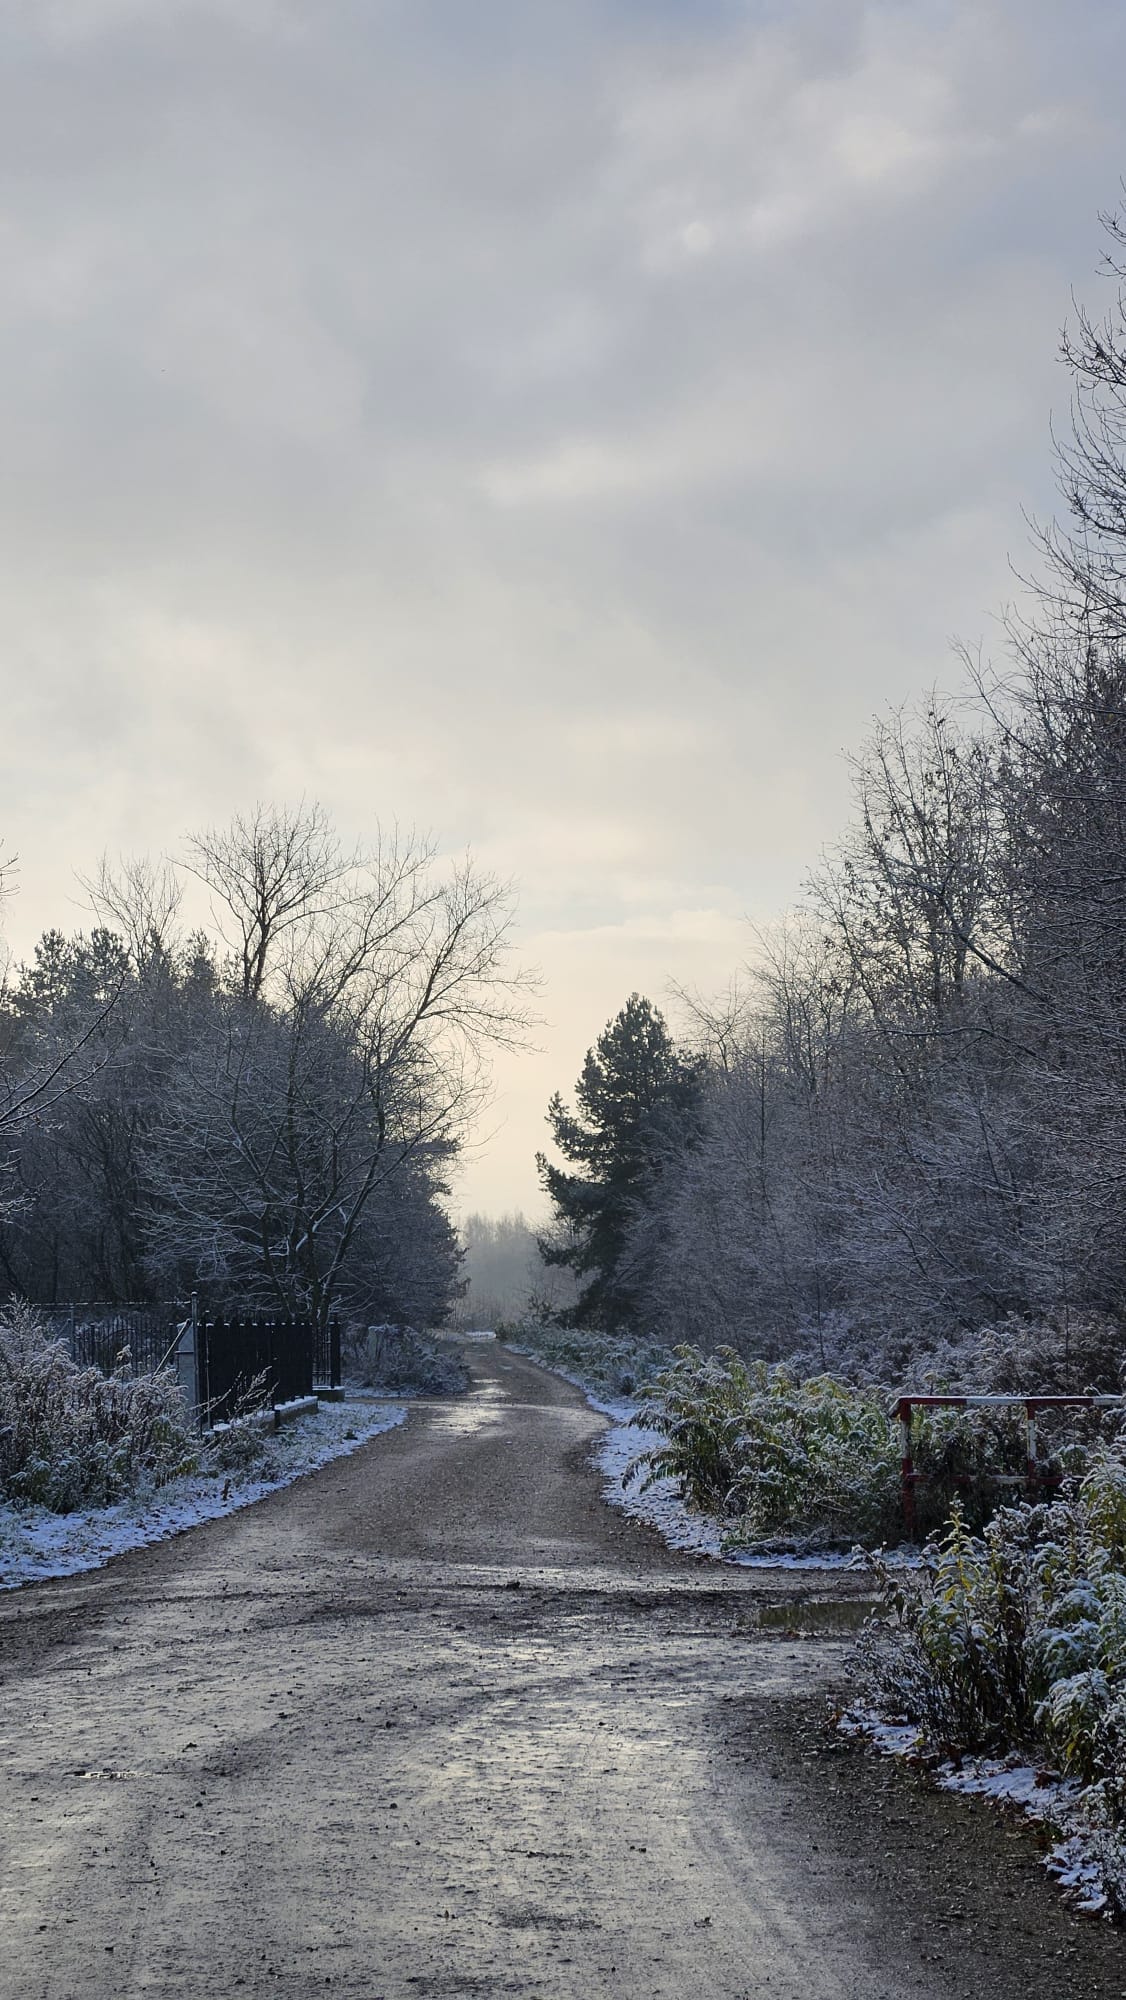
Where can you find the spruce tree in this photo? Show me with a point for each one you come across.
(636, 1100)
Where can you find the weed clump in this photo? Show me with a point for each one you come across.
(72, 1437)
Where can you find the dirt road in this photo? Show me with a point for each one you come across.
(438, 1721)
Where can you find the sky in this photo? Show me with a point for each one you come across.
(558, 426)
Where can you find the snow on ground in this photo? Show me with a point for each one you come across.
(35, 1544)
(1047, 1800)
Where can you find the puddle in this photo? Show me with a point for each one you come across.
(480, 1410)
(815, 1617)
(464, 1419)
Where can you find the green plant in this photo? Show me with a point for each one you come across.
(773, 1454)
(748, 1442)
(1015, 1638)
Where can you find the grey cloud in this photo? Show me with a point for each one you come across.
(560, 424)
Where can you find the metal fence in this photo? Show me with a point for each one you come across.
(224, 1364)
(103, 1335)
(1036, 1480)
(326, 1356)
(251, 1363)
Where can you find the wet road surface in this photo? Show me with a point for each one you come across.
(438, 1721)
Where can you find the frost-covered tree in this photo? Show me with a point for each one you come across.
(268, 1113)
(636, 1099)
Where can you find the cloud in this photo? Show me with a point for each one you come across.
(563, 426)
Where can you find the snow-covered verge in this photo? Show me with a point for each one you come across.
(1054, 1805)
(36, 1544)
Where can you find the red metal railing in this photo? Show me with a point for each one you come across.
(1033, 1478)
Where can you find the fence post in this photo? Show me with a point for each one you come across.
(188, 1359)
(907, 1465)
(1031, 1465)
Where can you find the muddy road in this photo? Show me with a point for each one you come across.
(438, 1721)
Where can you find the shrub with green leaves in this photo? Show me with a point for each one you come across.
(1015, 1639)
(73, 1437)
(750, 1444)
(773, 1455)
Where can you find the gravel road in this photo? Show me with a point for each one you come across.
(438, 1721)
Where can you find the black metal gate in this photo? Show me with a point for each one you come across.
(245, 1364)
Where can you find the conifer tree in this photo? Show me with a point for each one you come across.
(636, 1100)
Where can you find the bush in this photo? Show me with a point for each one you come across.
(611, 1365)
(1015, 1639)
(398, 1359)
(1063, 1354)
(1038, 1357)
(747, 1442)
(73, 1437)
(772, 1455)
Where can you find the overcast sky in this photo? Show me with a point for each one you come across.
(557, 423)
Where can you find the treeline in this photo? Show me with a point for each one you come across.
(265, 1109)
(503, 1276)
(911, 1121)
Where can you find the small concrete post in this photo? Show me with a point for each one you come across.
(187, 1369)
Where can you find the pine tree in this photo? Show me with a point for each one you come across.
(636, 1101)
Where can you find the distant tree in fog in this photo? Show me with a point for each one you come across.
(503, 1274)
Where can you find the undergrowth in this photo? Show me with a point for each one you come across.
(1015, 1639)
(772, 1455)
(72, 1437)
(404, 1362)
(610, 1365)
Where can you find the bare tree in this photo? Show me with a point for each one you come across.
(353, 1045)
(1086, 581)
(141, 900)
(269, 871)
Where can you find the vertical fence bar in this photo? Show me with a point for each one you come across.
(907, 1465)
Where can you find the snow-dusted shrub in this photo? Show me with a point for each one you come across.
(408, 1363)
(1061, 1354)
(1040, 1357)
(749, 1443)
(1015, 1639)
(73, 1437)
(957, 1653)
(612, 1365)
(774, 1455)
